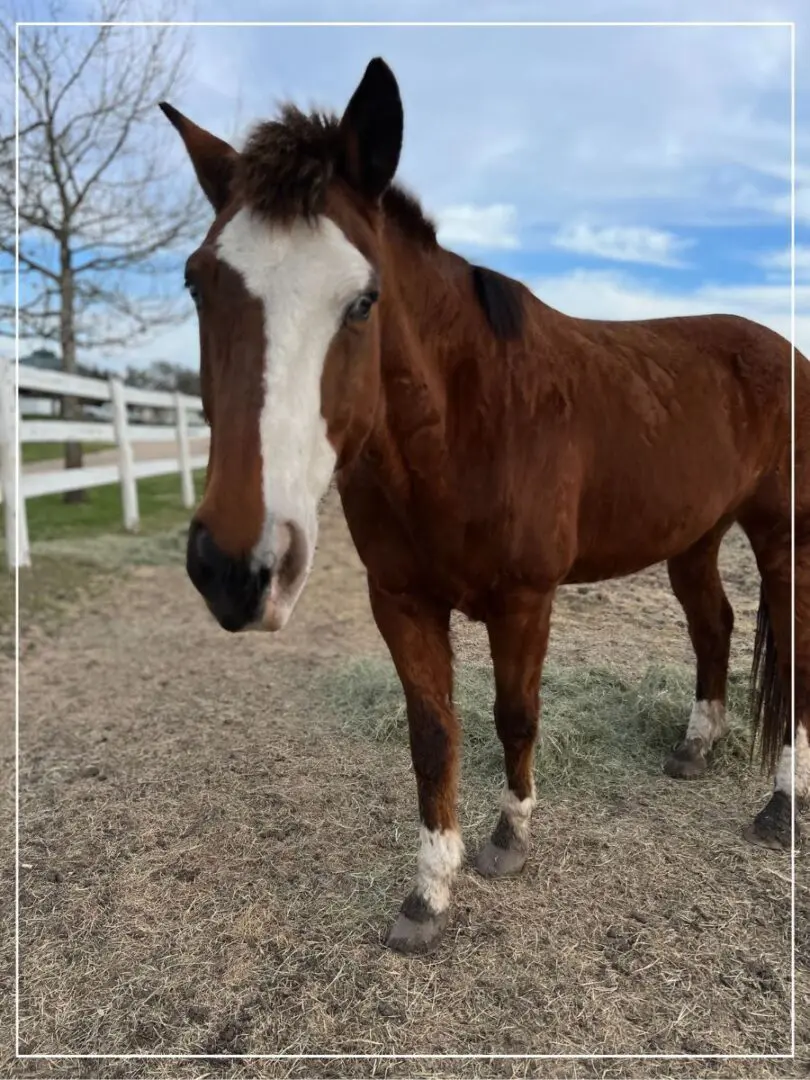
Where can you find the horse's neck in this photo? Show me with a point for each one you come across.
(417, 352)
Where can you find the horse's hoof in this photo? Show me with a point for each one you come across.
(495, 861)
(687, 761)
(411, 937)
(771, 827)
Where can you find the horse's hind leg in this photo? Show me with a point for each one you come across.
(695, 580)
(518, 641)
(772, 674)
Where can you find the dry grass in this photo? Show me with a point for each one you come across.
(216, 832)
(70, 569)
(599, 726)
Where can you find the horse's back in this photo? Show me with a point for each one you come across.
(697, 348)
(674, 422)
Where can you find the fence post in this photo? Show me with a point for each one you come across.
(6, 433)
(126, 461)
(184, 451)
(17, 548)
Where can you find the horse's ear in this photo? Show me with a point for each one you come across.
(371, 131)
(213, 159)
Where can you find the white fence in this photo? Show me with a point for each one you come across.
(121, 432)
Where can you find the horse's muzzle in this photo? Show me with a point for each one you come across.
(233, 589)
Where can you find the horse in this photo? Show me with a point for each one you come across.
(487, 450)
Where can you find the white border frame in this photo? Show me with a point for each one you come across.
(446, 25)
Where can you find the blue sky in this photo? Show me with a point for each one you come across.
(621, 172)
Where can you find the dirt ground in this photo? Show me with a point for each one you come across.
(211, 857)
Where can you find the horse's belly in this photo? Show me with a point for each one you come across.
(618, 547)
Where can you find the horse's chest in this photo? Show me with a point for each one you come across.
(427, 558)
(421, 549)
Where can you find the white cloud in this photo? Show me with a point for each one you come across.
(664, 122)
(748, 197)
(619, 124)
(779, 261)
(607, 295)
(478, 226)
(624, 243)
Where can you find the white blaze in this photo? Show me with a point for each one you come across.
(304, 277)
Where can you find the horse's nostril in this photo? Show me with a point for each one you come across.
(201, 554)
(295, 556)
(201, 540)
(232, 588)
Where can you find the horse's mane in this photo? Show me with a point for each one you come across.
(287, 164)
(283, 174)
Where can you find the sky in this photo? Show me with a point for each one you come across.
(621, 172)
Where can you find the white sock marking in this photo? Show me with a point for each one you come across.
(785, 772)
(440, 856)
(708, 722)
(518, 812)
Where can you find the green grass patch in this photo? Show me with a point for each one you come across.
(159, 501)
(48, 451)
(598, 727)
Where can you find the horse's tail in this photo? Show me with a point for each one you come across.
(770, 698)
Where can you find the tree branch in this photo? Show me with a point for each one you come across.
(95, 187)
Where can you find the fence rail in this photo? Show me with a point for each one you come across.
(16, 486)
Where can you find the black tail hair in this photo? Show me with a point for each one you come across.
(770, 698)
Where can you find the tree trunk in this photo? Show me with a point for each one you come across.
(71, 408)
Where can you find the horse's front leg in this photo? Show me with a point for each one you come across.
(518, 637)
(418, 636)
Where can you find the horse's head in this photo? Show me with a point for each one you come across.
(286, 284)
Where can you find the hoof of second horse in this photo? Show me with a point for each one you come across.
(413, 937)
(687, 761)
(494, 861)
(771, 827)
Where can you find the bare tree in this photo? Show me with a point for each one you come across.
(102, 217)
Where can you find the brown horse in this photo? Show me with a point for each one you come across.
(487, 450)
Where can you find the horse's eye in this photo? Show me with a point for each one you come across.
(193, 292)
(360, 309)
